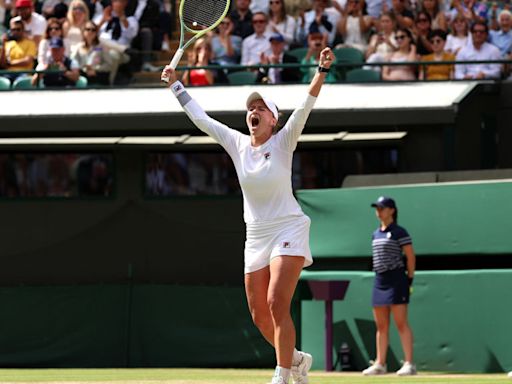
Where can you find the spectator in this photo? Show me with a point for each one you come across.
(255, 45)
(242, 19)
(34, 24)
(433, 8)
(53, 29)
(316, 43)
(480, 49)
(226, 47)
(354, 26)
(68, 69)
(117, 31)
(77, 17)
(383, 43)
(18, 52)
(280, 22)
(470, 9)
(92, 57)
(460, 36)
(403, 16)
(319, 21)
(502, 38)
(278, 56)
(149, 38)
(3, 11)
(442, 71)
(200, 56)
(422, 31)
(406, 52)
(375, 8)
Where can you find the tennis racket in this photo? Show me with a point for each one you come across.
(197, 17)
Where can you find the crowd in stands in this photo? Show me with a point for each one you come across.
(103, 41)
(98, 39)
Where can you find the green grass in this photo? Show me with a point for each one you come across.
(221, 376)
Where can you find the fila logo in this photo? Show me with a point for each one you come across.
(266, 155)
(286, 244)
(177, 88)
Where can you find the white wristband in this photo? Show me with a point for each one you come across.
(177, 88)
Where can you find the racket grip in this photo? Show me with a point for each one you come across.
(176, 59)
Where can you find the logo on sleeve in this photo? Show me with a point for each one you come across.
(177, 88)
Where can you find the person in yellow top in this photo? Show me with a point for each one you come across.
(437, 71)
(18, 52)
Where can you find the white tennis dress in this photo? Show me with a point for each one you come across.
(276, 225)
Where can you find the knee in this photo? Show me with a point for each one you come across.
(402, 326)
(261, 319)
(279, 309)
(382, 326)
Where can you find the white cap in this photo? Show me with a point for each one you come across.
(269, 103)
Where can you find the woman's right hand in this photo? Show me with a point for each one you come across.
(168, 75)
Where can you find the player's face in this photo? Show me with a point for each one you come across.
(384, 213)
(260, 120)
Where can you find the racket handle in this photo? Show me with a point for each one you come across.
(176, 59)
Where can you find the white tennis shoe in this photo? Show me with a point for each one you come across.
(510, 374)
(408, 369)
(278, 380)
(375, 369)
(300, 372)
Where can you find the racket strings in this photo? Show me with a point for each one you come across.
(199, 15)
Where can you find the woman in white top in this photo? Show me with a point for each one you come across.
(53, 29)
(277, 243)
(280, 22)
(406, 52)
(354, 26)
(78, 16)
(460, 36)
(383, 43)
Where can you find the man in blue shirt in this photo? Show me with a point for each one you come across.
(502, 38)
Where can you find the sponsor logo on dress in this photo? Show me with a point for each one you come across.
(286, 244)
(266, 155)
(388, 235)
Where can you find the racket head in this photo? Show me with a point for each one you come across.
(201, 16)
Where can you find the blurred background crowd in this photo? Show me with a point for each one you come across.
(106, 41)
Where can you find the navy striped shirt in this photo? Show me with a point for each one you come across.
(387, 248)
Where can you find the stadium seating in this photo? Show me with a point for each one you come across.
(5, 83)
(22, 83)
(359, 75)
(347, 55)
(241, 78)
(298, 53)
(82, 82)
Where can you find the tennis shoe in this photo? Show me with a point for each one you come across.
(278, 380)
(510, 374)
(300, 372)
(375, 369)
(408, 369)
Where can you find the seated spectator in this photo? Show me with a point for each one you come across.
(437, 16)
(34, 23)
(280, 22)
(68, 69)
(278, 56)
(226, 47)
(117, 30)
(3, 11)
(375, 8)
(242, 19)
(422, 29)
(92, 57)
(316, 42)
(354, 26)
(480, 49)
(502, 37)
(403, 16)
(18, 53)
(442, 71)
(470, 9)
(460, 36)
(77, 17)
(319, 21)
(53, 29)
(200, 56)
(406, 52)
(383, 43)
(257, 43)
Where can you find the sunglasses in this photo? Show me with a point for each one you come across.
(259, 21)
(15, 29)
(400, 37)
(422, 20)
(274, 2)
(481, 31)
(79, 9)
(90, 29)
(54, 28)
(436, 41)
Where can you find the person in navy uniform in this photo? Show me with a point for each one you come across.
(393, 279)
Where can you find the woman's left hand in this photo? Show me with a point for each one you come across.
(326, 58)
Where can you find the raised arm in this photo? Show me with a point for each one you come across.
(324, 64)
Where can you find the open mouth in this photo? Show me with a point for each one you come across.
(255, 121)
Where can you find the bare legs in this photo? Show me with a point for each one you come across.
(269, 294)
(381, 315)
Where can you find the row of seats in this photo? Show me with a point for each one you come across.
(25, 82)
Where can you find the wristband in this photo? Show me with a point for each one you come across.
(177, 88)
(323, 69)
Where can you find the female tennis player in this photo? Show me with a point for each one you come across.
(277, 238)
(393, 280)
